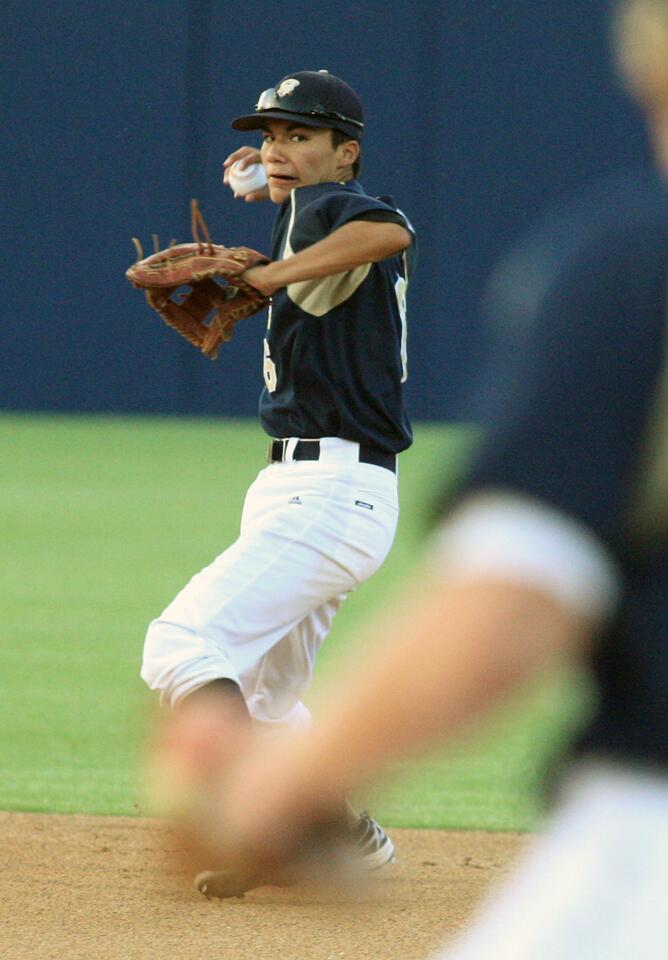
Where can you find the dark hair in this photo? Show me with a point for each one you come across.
(339, 137)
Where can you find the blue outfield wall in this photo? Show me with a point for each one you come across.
(479, 114)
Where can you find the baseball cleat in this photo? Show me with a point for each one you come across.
(374, 847)
(222, 884)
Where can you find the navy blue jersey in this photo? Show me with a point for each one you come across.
(335, 349)
(578, 417)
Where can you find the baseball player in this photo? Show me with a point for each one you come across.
(557, 548)
(321, 516)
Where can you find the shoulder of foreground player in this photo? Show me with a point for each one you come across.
(596, 233)
(577, 332)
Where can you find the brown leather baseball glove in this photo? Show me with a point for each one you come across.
(195, 265)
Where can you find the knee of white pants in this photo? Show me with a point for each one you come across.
(178, 661)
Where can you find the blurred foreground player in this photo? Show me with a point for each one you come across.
(556, 549)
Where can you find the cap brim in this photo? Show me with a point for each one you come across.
(256, 121)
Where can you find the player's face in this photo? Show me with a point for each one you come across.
(643, 53)
(658, 124)
(651, 91)
(295, 156)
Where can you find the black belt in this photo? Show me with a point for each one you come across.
(310, 450)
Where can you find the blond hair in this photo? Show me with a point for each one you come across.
(640, 29)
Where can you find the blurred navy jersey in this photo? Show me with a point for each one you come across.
(335, 349)
(577, 416)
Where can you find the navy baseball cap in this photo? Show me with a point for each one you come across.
(316, 97)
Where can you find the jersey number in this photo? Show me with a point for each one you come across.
(269, 368)
(400, 288)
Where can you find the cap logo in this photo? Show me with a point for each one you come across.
(287, 87)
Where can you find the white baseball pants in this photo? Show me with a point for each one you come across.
(593, 886)
(311, 531)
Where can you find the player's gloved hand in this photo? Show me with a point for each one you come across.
(246, 156)
(207, 312)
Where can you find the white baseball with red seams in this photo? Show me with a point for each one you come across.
(244, 180)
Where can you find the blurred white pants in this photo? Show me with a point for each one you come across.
(593, 886)
(311, 531)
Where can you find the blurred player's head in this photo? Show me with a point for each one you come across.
(641, 36)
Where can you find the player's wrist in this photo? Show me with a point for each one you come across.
(264, 278)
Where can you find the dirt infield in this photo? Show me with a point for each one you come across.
(97, 888)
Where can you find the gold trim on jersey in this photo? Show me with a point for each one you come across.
(322, 294)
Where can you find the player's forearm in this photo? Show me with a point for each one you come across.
(441, 655)
(454, 651)
(352, 245)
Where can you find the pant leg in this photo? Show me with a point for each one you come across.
(274, 686)
(303, 542)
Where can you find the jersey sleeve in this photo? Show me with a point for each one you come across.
(321, 213)
(341, 208)
(580, 335)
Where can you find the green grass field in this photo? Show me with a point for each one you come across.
(102, 520)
